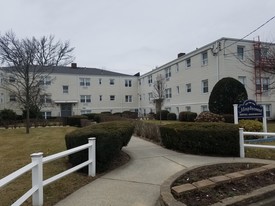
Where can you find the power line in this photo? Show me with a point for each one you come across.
(250, 32)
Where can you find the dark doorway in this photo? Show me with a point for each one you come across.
(66, 110)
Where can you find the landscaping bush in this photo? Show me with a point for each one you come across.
(186, 116)
(76, 120)
(209, 117)
(228, 118)
(220, 139)
(110, 138)
(171, 116)
(129, 114)
(90, 116)
(7, 116)
(147, 130)
(251, 126)
(162, 114)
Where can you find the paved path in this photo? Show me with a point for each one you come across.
(138, 182)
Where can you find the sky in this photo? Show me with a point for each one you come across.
(131, 36)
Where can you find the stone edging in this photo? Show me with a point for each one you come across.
(166, 198)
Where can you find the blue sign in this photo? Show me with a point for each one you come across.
(250, 110)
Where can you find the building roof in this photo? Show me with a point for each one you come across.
(78, 71)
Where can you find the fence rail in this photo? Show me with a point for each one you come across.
(243, 145)
(36, 166)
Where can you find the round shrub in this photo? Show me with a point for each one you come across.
(186, 116)
(171, 116)
(228, 118)
(226, 92)
(162, 115)
(251, 126)
(7, 114)
(209, 117)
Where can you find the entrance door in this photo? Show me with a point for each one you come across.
(66, 110)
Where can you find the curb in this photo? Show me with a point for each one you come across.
(166, 198)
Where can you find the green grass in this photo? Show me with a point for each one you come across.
(15, 150)
(263, 153)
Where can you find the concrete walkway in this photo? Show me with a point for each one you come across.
(138, 182)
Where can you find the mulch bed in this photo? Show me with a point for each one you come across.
(208, 196)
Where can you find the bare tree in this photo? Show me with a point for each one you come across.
(158, 93)
(27, 61)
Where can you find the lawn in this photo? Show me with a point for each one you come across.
(15, 150)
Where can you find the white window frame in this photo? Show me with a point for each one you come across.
(168, 93)
(84, 82)
(167, 72)
(46, 81)
(128, 83)
(188, 108)
(12, 98)
(112, 81)
(188, 62)
(85, 111)
(46, 99)
(85, 99)
(65, 90)
(112, 97)
(205, 86)
(242, 79)
(204, 108)
(46, 114)
(268, 110)
(265, 84)
(240, 52)
(100, 98)
(128, 98)
(204, 58)
(188, 88)
(150, 79)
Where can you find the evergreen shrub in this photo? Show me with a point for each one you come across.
(171, 116)
(186, 116)
(219, 139)
(75, 120)
(162, 114)
(110, 138)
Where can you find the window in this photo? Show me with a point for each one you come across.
(112, 97)
(168, 72)
(11, 79)
(85, 82)
(204, 57)
(65, 89)
(112, 81)
(188, 108)
(46, 115)
(242, 79)
(168, 93)
(150, 96)
(178, 89)
(45, 98)
(12, 98)
(265, 84)
(268, 110)
(150, 80)
(204, 108)
(128, 98)
(240, 52)
(128, 83)
(188, 62)
(100, 97)
(262, 84)
(85, 98)
(177, 67)
(204, 84)
(45, 81)
(86, 111)
(100, 81)
(188, 87)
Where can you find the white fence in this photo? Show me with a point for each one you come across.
(36, 166)
(243, 145)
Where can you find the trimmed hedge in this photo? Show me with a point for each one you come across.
(163, 114)
(76, 120)
(110, 138)
(171, 116)
(220, 139)
(148, 130)
(186, 116)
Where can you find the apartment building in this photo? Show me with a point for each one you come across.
(189, 80)
(77, 90)
(191, 77)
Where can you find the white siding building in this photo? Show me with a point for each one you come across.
(190, 79)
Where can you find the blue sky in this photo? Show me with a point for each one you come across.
(131, 36)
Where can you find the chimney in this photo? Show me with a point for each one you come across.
(74, 65)
(180, 54)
